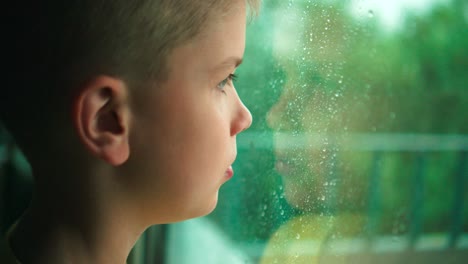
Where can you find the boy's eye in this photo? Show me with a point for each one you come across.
(231, 78)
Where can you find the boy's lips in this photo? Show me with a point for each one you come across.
(229, 172)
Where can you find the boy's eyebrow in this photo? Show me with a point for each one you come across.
(236, 61)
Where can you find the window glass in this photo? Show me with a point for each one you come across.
(358, 149)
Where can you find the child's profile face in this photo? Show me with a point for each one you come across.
(184, 130)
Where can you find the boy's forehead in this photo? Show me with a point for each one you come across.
(218, 46)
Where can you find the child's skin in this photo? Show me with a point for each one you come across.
(145, 157)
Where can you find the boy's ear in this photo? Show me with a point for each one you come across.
(101, 116)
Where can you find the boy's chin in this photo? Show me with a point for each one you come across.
(200, 211)
(210, 206)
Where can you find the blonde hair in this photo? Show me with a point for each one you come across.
(135, 37)
(55, 45)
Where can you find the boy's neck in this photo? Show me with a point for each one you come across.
(68, 230)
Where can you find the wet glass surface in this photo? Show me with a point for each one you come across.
(358, 150)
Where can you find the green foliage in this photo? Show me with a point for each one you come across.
(354, 78)
(414, 80)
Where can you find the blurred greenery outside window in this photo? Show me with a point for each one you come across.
(358, 149)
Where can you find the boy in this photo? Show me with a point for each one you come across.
(127, 114)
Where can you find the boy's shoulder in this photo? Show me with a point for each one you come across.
(6, 254)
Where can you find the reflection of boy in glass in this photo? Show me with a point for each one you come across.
(124, 118)
(307, 121)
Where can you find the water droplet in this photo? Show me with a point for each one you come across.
(298, 236)
(370, 13)
(282, 212)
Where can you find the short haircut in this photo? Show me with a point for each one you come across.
(53, 45)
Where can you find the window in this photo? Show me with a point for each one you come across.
(358, 150)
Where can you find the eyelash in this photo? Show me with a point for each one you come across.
(231, 78)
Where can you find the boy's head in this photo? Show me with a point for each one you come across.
(56, 46)
(128, 88)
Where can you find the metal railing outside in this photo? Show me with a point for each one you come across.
(415, 245)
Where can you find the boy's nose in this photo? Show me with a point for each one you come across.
(242, 119)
